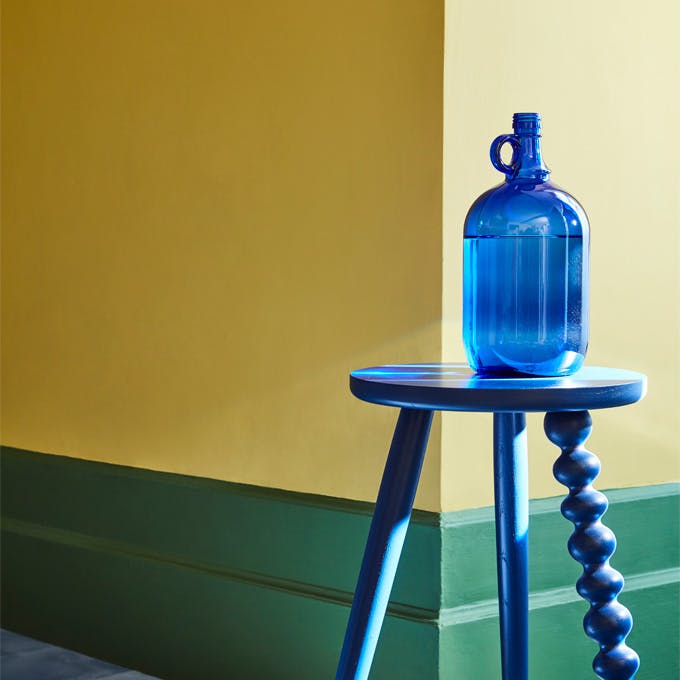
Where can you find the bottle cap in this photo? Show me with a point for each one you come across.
(526, 123)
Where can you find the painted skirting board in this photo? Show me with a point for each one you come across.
(179, 575)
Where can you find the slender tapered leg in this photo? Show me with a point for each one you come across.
(607, 622)
(512, 528)
(385, 541)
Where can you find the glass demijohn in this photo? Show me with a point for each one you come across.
(525, 267)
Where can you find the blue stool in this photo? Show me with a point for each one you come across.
(419, 390)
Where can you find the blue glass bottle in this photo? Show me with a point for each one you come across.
(525, 267)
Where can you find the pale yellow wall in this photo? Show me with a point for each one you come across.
(605, 77)
(212, 212)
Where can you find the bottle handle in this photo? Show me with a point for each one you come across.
(495, 153)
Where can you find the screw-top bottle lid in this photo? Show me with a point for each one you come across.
(526, 123)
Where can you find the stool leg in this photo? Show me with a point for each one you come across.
(512, 528)
(385, 541)
(607, 622)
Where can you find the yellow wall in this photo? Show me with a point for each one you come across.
(212, 212)
(604, 76)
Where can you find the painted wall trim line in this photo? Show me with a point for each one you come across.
(488, 609)
(348, 505)
(473, 611)
(78, 540)
(542, 506)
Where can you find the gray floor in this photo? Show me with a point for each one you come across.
(22, 658)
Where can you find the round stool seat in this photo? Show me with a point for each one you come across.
(455, 387)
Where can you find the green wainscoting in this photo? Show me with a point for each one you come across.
(184, 577)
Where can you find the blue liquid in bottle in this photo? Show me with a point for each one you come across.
(525, 282)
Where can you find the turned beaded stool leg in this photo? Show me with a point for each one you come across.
(607, 622)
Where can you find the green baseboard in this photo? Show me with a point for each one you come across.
(183, 577)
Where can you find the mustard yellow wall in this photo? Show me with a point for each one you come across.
(212, 212)
(605, 77)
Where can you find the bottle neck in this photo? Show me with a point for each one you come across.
(530, 163)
